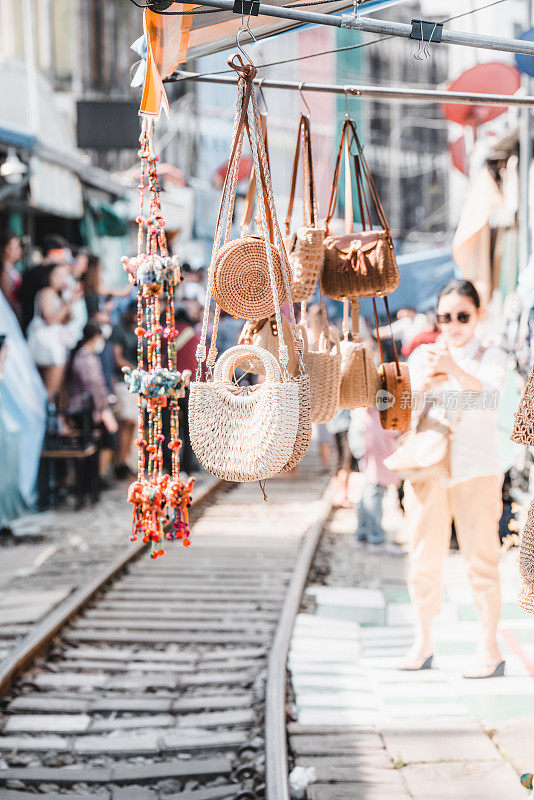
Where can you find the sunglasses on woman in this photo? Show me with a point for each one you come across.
(462, 317)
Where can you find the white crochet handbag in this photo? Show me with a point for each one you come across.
(244, 434)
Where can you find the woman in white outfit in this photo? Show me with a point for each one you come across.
(49, 338)
(466, 379)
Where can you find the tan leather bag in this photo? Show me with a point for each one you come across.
(361, 264)
(394, 399)
(306, 248)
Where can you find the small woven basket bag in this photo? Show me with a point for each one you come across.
(306, 247)
(324, 368)
(395, 395)
(523, 432)
(359, 376)
(526, 564)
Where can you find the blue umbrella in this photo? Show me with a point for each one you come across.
(523, 62)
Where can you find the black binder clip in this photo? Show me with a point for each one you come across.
(249, 7)
(425, 32)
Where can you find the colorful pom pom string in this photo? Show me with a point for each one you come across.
(160, 502)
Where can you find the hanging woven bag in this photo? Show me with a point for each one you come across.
(523, 432)
(306, 247)
(359, 376)
(361, 264)
(244, 434)
(257, 432)
(324, 368)
(526, 564)
(394, 398)
(264, 333)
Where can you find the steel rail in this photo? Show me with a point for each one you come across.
(276, 767)
(376, 92)
(37, 641)
(384, 27)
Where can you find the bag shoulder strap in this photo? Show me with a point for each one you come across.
(251, 191)
(308, 179)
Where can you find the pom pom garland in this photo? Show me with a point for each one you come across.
(160, 502)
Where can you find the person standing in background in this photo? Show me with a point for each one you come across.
(459, 367)
(124, 342)
(10, 279)
(48, 333)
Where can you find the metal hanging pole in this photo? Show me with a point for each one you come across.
(377, 92)
(381, 27)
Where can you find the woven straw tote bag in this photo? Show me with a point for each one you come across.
(244, 435)
(395, 395)
(306, 247)
(264, 333)
(526, 564)
(523, 432)
(359, 264)
(359, 376)
(304, 430)
(324, 368)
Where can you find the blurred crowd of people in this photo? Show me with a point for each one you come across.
(80, 334)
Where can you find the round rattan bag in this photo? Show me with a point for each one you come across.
(244, 434)
(241, 281)
(394, 398)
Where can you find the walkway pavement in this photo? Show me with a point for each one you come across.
(375, 733)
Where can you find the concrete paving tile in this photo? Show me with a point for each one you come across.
(192, 768)
(337, 716)
(132, 793)
(427, 742)
(454, 780)
(49, 704)
(191, 739)
(341, 700)
(419, 711)
(335, 743)
(399, 614)
(125, 723)
(345, 769)
(514, 741)
(226, 792)
(353, 791)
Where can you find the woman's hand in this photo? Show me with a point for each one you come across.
(440, 362)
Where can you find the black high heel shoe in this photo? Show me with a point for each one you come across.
(426, 664)
(497, 672)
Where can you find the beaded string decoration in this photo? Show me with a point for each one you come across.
(160, 501)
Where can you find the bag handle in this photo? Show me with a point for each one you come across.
(363, 176)
(240, 353)
(251, 192)
(308, 179)
(396, 355)
(355, 319)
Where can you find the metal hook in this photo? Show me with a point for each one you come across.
(260, 87)
(304, 99)
(346, 91)
(427, 45)
(238, 43)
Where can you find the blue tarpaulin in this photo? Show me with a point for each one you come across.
(22, 420)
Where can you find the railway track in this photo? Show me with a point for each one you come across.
(159, 680)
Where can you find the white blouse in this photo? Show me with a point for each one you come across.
(473, 415)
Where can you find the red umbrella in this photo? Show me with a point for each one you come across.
(245, 168)
(492, 78)
(459, 155)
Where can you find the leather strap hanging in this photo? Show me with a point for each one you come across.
(363, 179)
(395, 354)
(308, 182)
(251, 192)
